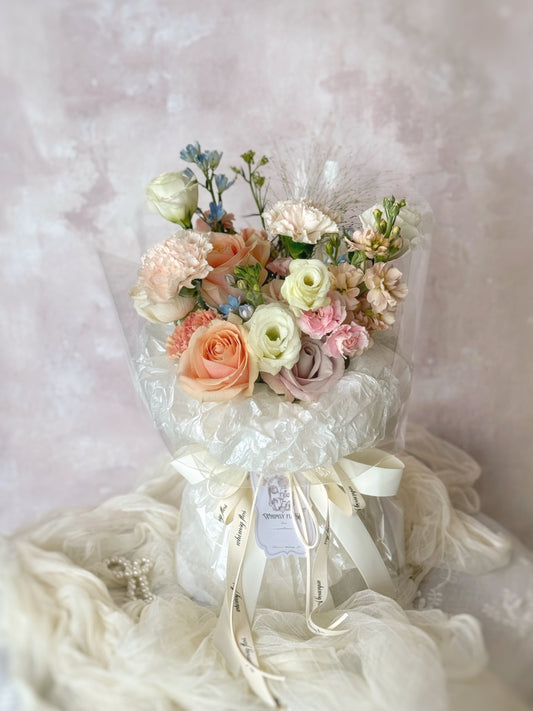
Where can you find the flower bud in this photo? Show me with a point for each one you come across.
(174, 196)
(246, 311)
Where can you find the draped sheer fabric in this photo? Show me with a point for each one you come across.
(75, 641)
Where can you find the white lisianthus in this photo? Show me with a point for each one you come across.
(274, 338)
(407, 220)
(299, 220)
(307, 285)
(174, 309)
(174, 196)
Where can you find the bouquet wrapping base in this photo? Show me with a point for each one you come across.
(75, 640)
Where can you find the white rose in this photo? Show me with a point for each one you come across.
(407, 220)
(174, 309)
(299, 220)
(174, 196)
(274, 338)
(307, 285)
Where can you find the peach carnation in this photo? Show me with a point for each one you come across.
(173, 264)
(218, 364)
(178, 342)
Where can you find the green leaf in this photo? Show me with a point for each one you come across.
(297, 250)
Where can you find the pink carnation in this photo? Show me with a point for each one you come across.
(178, 342)
(325, 319)
(348, 340)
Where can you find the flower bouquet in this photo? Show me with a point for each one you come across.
(272, 362)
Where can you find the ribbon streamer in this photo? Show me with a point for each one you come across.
(336, 495)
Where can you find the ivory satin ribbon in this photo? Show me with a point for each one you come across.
(336, 496)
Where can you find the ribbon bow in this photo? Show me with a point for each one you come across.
(336, 496)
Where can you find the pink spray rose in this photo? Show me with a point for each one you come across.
(314, 373)
(325, 319)
(347, 341)
(218, 365)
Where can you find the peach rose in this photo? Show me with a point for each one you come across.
(218, 364)
(230, 251)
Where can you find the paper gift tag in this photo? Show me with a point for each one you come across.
(274, 525)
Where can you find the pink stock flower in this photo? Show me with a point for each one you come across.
(345, 280)
(178, 342)
(384, 287)
(173, 264)
(365, 316)
(314, 373)
(325, 319)
(372, 243)
(347, 341)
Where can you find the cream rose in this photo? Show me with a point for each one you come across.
(274, 337)
(307, 285)
(174, 196)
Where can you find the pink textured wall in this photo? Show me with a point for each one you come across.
(99, 96)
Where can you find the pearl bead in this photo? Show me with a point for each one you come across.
(134, 573)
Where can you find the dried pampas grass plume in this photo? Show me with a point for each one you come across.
(338, 181)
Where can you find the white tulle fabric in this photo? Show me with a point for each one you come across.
(75, 641)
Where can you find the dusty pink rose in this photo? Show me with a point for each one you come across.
(347, 341)
(178, 342)
(325, 319)
(314, 373)
(384, 287)
(280, 266)
(230, 251)
(218, 364)
(345, 280)
(173, 264)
